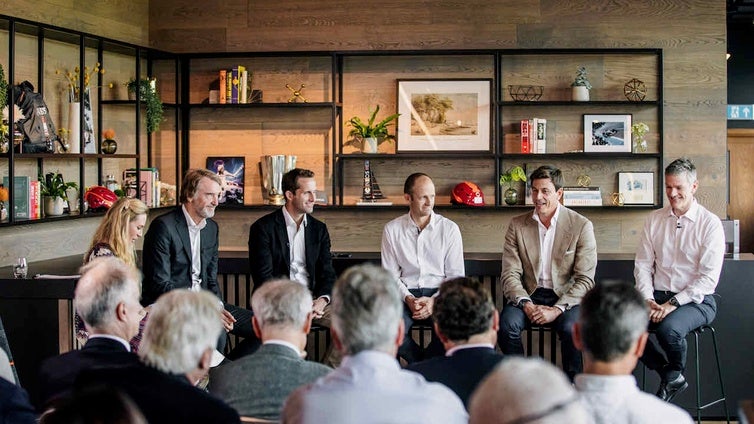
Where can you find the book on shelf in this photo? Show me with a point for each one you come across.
(582, 196)
(21, 199)
(374, 202)
(223, 83)
(148, 190)
(539, 135)
(525, 136)
(35, 199)
(242, 84)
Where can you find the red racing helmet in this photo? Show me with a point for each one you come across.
(467, 193)
(100, 198)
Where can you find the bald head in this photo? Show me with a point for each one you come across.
(107, 297)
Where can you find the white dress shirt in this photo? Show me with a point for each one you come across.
(615, 399)
(371, 387)
(546, 240)
(297, 248)
(425, 258)
(683, 255)
(195, 232)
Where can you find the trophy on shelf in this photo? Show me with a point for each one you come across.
(371, 193)
(273, 167)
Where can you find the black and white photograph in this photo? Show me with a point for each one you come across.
(231, 172)
(607, 133)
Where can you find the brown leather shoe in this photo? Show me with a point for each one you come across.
(669, 389)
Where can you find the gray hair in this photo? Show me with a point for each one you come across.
(366, 308)
(281, 303)
(182, 325)
(682, 166)
(104, 283)
(612, 316)
(526, 390)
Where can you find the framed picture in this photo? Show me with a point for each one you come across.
(444, 115)
(637, 188)
(607, 133)
(231, 172)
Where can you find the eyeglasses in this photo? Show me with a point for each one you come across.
(549, 411)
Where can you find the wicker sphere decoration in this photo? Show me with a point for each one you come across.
(526, 93)
(635, 90)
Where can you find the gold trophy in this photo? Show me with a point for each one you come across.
(273, 167)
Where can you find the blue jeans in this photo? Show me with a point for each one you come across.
(667, 348)
(513, 320)
(409, 350)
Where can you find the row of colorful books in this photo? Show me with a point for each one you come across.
(148, 188)
(27, 197)
(235, 85)
(534, 135)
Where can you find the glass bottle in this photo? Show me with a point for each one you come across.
(111, 183)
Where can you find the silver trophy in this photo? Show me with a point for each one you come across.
(273, 167)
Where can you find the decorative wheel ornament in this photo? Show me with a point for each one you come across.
(618, 199)
(584, 180)
(635, 90)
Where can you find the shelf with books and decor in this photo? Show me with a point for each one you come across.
(589, 136)
(78, 82)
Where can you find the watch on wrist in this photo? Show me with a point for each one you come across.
(523, 302)
(673, 301)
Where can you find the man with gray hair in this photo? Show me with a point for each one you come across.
(611, 333)
(677, 269)
(107, 299)
(526, 390)
(257, 385)
(369, 386)
(175, 353)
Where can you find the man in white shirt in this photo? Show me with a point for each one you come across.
(421, 249)
(549, 260)
(677, 268)
(257, 385)
(611, 333)
(369, 386)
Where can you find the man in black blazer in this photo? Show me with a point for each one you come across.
(107, 299)
(290, 243)
(466, 323)
(181, 249)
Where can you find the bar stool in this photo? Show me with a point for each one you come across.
(698, 332)
(540, 330)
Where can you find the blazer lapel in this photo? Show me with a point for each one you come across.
(181, 227)
(311, 252)
(531, 245)
(282, 235)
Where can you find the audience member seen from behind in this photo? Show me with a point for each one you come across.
(421, 249)
(95, 405)
(257, 385)
(107, 299)
(466, 323)
(369, 386)
(611, 333)
(526, 391)
(175, 354)
(677, 269)
(181, 250)
(549, 260)
(116, 235)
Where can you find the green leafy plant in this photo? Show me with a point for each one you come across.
(514, 173)
(581, 80)
(362, 130)
(3, 89)
(52, 185)
(148, 94)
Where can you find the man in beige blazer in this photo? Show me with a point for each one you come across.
(549, 259)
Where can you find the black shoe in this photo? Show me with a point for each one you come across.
(669, 389)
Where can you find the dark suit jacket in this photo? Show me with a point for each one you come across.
(167, 256)
(462, 371)
(161, 397)
(258, 384)
(269, 252)
(57, 374)
(15, 407)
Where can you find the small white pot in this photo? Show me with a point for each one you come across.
(54, 206)
(579, 93)
(369, 145)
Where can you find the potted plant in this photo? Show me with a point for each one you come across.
(581, 86)
(367, 136)
(54, 190)
(148, 94)
(515, 173)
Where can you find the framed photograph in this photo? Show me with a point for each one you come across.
(637, 188)
(607, 133)
(231, 172)
(444, 115)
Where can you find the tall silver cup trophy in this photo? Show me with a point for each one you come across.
(273, 167)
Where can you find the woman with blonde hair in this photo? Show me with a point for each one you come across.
(116, 235)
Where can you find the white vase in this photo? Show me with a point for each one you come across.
(54, 206)
(369, 145)
(74, 127)
(73, 200)
(579, 93)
